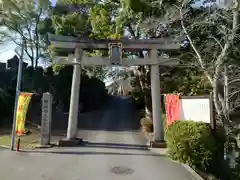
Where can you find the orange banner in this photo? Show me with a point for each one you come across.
(172, 102)
(22, 108)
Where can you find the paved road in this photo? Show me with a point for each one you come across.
(114, 149)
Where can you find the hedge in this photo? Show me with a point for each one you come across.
(193, 143)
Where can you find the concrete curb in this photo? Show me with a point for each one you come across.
(192, 172)
(161, 151)
(5, 147)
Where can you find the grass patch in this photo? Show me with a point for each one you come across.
(28, 141)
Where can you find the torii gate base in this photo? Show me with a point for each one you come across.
(78, 60)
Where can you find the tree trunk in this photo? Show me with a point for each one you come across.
(148, 96)
(142, 78)
(32, 63)
(215, 98)
(146, 89)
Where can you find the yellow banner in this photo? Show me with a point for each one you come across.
(22, 107)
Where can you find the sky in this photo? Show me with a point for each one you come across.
(7, 49)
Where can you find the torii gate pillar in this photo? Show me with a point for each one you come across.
(156, 105)
(72, 139)
(74, 100)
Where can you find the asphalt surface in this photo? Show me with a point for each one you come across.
(114, 149)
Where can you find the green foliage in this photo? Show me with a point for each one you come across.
(100, 20)
(85, 2)
(57, 67)
(186, 81)
(6, 104)
(235, 172)
(97, 71)
(96, 24)
(45, 26)
(71, 24)
(164, 122)
(92, 92)
(193, 143)
(138, 98)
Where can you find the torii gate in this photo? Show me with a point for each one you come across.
(115, 47)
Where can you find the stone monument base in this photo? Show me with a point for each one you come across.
(158, 144)
(70, 142)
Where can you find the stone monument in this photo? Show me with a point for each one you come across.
(46, 120)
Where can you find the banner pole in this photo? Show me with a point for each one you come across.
(18, 144)
(17, 95)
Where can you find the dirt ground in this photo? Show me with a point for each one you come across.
(29, 141)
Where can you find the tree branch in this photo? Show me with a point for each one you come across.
(199, 57)
(37, 38)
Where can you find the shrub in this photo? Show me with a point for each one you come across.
(164, 122)
(147, 124)
(193, 143)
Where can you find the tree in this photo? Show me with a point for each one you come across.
(70, 18)
(209, 36)
(212, 36)
(220, 33)
(114, 19)
(20, 20)
(109, 19)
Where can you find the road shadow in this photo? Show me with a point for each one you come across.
(114, 146)
(91, 153)
(119, 114)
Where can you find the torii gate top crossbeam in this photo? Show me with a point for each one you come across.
(69, 42)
